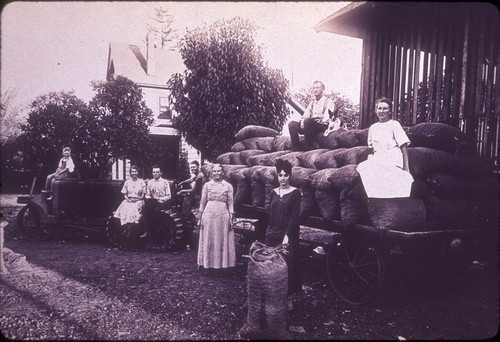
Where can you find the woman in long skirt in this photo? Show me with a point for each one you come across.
(216, 247)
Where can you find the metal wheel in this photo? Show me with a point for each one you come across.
(124, 237)
(355, 271)
(175, 229)
(30, 224)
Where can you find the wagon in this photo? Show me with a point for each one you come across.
(88, 205)
(357, 256)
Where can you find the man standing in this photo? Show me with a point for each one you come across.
(314, 120)
(158, 197)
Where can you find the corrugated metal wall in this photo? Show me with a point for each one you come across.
(439, 66)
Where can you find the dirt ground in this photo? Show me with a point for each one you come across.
(82, 288)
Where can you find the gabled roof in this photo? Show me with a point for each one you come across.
(130, 61)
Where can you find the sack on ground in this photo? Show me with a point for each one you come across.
(267, 288)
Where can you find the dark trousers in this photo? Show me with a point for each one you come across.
(311, 129)
(151, 214)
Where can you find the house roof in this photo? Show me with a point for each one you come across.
(359, 17)
(130, 61)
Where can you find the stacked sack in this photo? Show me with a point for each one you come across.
(452, 189)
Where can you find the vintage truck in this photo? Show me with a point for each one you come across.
(89, 205)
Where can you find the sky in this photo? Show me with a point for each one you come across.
(55, 46)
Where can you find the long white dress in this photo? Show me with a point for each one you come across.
(130, 212)
(216, 248)
(382, 173)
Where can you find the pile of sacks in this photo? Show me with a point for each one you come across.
(452, 189)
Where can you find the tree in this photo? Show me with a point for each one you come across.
(114, 123)
(11, 116)
(346, 110)
(162, 27)
(118, 123)
(226, 86)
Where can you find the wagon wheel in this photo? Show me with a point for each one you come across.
(30, 224)
(124, 237)
(175, 229)
(355, 271)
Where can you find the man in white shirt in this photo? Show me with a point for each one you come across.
(158, 197)
(314, 120)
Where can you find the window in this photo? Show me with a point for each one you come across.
(165, 111)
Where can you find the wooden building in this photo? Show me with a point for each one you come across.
(437, 61)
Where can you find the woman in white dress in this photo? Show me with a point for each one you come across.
(216, 247)
(385, 174)
(134, 190)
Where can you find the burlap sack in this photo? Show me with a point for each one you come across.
(258, 193)
(243, 192)
(264, 143)
(344, 177)
(282, 142)
(254, 131)
(354, 206)
(351, 156)
(327, 160)
(266, 159)
(346, 138)
(438, 136)
(245, 155)
(445, 186)
(328, 204)
(238, 147)
(319, 180)
(401, 214)
(328, 142)
(361, 136)
(424, 161)
(229, 158)
(445, 213)
(267, 288)
(300, 176)
(307, 158)
(308, 204)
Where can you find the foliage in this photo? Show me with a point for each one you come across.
(226, 86)
(161, 27)
(11, 117)
(114, 123)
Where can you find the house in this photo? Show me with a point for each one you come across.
(150, 68)
(438, 61)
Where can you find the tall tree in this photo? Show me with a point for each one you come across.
(227, 85)
(162, 28)
(11, 116)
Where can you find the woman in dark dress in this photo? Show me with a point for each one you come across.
(283, 226)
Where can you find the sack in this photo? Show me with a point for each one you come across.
(254, 131)
(402, 214)
(267, 290)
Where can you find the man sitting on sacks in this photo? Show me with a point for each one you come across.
(314, 120)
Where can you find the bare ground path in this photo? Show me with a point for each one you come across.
(84, 289)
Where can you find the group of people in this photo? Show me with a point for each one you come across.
(385, 174)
